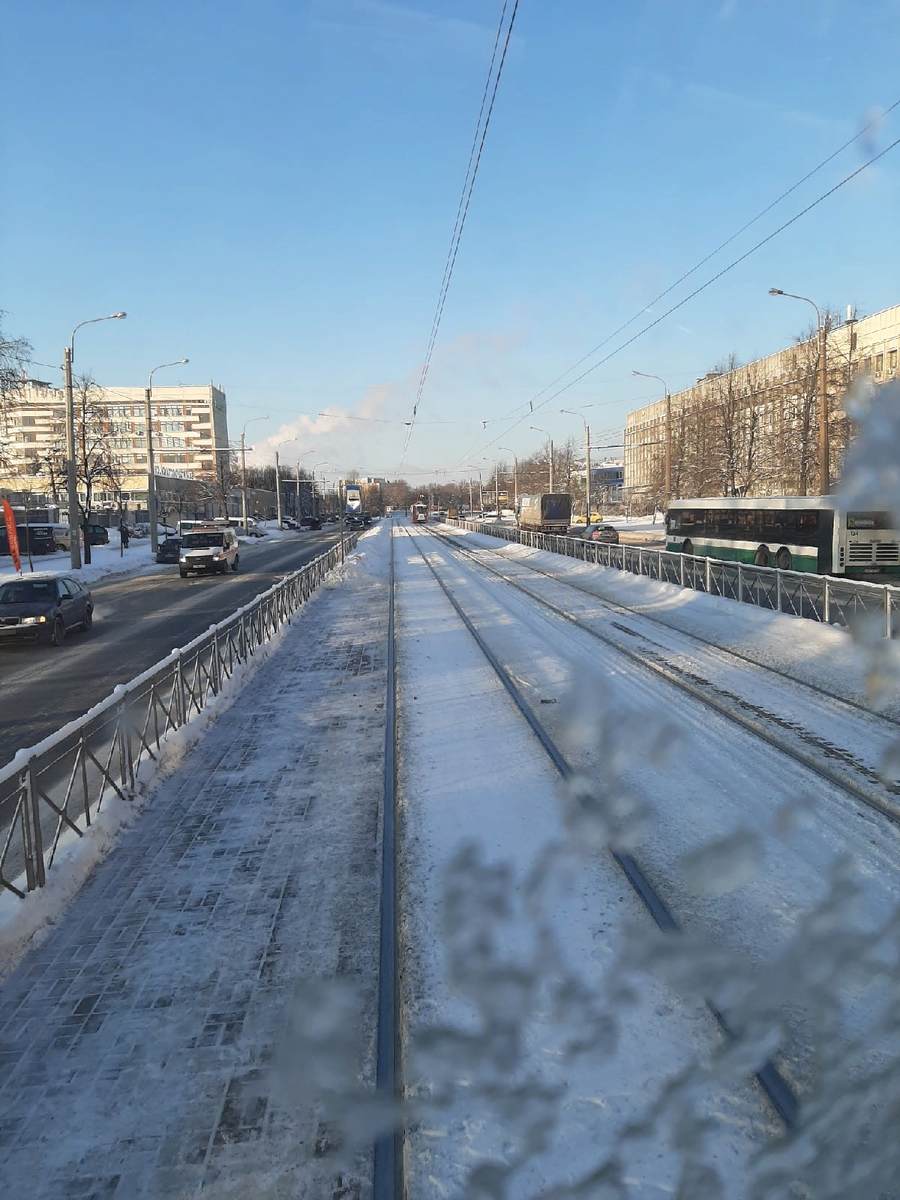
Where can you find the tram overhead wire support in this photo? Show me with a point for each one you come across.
(824, 439)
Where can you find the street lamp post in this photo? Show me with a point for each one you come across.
(277, 490)
(71, 466)
(587, 465)
(496, 487)
(644, 375)
(244, 470)
(515, 476)
(550, 439)
(151, 476)
(824, 440)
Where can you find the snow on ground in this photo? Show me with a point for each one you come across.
(823, 655)
(164, 1038)
(789, 886)
(521, 997)
(546, 1015)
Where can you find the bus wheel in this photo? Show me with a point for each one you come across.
(687, 546)
(762, 558)
(783, 560)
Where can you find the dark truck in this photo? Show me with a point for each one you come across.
(550, 512)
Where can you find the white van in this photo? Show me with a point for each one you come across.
(211, 548)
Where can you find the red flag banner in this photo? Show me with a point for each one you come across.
(9, 518)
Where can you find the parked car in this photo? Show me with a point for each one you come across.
(310, 523)
(36, 538)
(169, 550)
(97, 535)
(43, 608)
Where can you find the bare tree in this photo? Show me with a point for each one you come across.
(217, 483)
(15, 354)
(95, 464)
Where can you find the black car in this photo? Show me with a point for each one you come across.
(310, 523)
(169, 550)
(43, 609)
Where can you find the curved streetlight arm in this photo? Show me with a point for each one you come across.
(178, 362)
(824, 437)
(118, 316)
(668, 399)
(794, 296)
(646, 375)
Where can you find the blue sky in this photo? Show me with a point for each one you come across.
(269, 189)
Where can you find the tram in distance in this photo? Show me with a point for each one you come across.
(793, 533)
(420, 513)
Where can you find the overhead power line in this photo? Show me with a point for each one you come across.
(532, 407)
(481, 128)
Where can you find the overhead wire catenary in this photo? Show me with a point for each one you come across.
(463, 207)
(696, 292)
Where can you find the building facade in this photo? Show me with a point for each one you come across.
(189, 428)
(754, 429)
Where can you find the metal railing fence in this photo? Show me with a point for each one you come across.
(59, 785)
(825, 598)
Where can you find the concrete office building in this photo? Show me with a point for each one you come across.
(188, 423)
(754, 429)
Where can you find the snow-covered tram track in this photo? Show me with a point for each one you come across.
(830, 759)
(777, 1089)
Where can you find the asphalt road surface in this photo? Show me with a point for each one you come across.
(138, 619)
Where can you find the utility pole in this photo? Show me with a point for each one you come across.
(587, 474)
(151, 473)
(824, 442)
(278, 489)
(471, 501)
(243, 483)
(668, 397)
(515, 477)
(298, 489)
(341, 499)
(550, 440)
(71, 469)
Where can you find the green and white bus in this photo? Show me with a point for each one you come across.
(794, 533)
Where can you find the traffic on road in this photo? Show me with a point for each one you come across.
(129, 622)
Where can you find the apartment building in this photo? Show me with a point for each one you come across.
(189, 424)
(754, 429)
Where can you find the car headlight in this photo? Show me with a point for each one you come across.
(33, 620)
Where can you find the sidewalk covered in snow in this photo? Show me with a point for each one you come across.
(148, 1044)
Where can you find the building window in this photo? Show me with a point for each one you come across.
(892, 360)
(867, 365)
(879, 363)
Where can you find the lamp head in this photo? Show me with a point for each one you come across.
(119, 316)
(775, 292)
